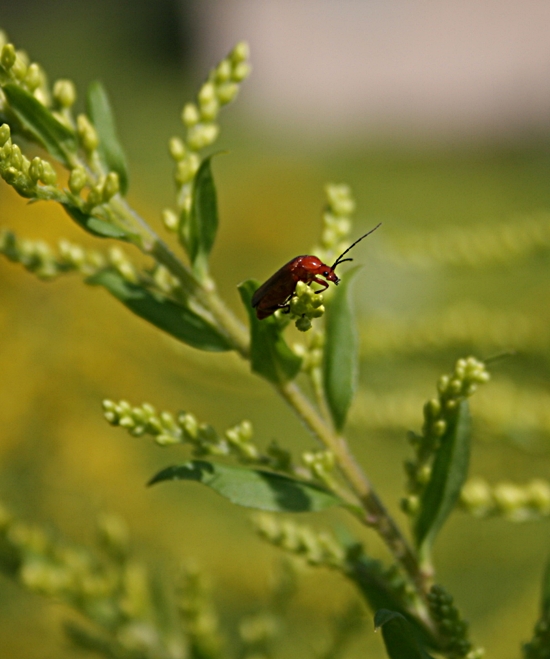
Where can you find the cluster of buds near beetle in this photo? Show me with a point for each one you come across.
(277, 291)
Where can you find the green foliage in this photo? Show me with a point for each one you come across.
(399, 637)
(253, 488)
(270, 355)
(340, 364)
(114, 594)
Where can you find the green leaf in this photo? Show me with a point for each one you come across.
(95, 225)
(203, 217)
(56, 138)
(253, 488)
(369, 576)
(449, 472)
(109, 148)
(270, 355)
(340, 354)
(180, 322)
(399, 637)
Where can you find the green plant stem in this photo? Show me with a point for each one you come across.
(377, 515)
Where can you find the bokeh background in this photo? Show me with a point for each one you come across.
(438, 116)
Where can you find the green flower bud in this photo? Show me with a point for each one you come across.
(303, 324)
(49, 176)
(185, 171)
(16, 159)
(86, 133)
(64, 93)
(410, 504)
(36, 170)
(190, 115)
(33, 77)
(538, 494)
(508, 497)
(240, 52)
(227, 92)
(5, 134)
(207, 93)
(170, 219)
(111, 186)
(241, 72)
(202, 135)
(11, 175)
(223, 71)
(209, 111)
(8, 56)
(77, 180)
(95, 197)
(176, 148)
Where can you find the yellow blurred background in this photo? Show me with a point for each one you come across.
(437, 186)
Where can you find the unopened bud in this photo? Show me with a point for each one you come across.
(5, 134)
(190, 115)
(64, 93)
(176, 148)
(86, 133)
(8, 56)
(49, 176)
(240, 53)
(77, 180)
(111, 186)
(36, 170)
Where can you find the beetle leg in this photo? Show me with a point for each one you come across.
(322, 282)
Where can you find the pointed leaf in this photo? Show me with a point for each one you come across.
(399, 637)
(340, 354)
(95, 225)
(449, 472)
(253, 488)
(270, 355)
(369, 576)
(178, 321)
(109, 148)
(56, 138)
(203, 217)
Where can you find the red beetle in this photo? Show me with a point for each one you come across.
(276, 292)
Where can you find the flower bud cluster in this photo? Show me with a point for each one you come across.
(451, 626)
(438, 416)
(17, 68)
(39, 258)
(111, 590)
(336, 221)
(200, 120)
(167, 429)
(23, 174)
(315, 547)
(508, 500)
(197, 613)
(320, 465)
(305, 305)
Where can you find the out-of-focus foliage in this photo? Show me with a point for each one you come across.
(459, 266)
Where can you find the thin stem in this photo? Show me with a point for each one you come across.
(377, 515)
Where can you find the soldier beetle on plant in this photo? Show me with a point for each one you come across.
(277, 291)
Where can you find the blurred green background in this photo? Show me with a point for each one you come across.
(64, 348)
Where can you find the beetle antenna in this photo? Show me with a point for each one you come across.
(340, 259)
